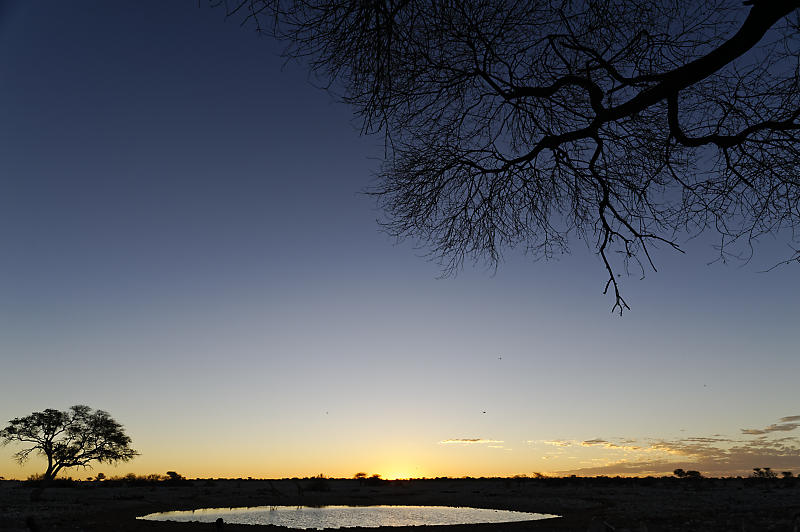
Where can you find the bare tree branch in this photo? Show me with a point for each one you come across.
(623, 123)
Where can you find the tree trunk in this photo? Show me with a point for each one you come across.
(50, 474)
(52, 470)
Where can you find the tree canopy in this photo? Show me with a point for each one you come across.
(71, 438)
(628, 124)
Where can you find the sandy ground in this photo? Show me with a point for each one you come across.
(624, 504)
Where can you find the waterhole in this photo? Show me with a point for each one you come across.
(303, 517)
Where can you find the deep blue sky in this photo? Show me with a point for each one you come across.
(183, 242)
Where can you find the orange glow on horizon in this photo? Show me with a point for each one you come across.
(402, 473)
(397, 476)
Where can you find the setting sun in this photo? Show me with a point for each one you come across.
(402, 473)
(396, 476)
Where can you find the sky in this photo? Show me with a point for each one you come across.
(185, 243)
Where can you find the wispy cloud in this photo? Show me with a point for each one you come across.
(596, 441)
(555, 443)
(710, 439)
(624, 444)
(715, 456)
(773, 446)
(623, 467)
(621, 443)
(782, 426)
(468, 441)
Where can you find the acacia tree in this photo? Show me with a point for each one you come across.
(71, 438)
(629, 124)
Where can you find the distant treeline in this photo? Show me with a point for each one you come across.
(321, 482)
(131, 479)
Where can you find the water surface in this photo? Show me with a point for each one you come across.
(348, 516)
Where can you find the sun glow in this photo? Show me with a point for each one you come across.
(396, 476)
(400, 474)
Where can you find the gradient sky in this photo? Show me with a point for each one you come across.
(183, 243)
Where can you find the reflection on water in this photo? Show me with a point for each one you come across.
(344, 516)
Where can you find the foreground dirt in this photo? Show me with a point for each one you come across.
(640, 505)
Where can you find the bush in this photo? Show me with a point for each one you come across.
(692, 474)
(172, 476)
(132, 479)
(765, 473)
(374, 480)
(61, 482)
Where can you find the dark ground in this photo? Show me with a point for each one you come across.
(636, 505)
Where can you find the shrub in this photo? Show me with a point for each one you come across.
(374, 480)
(765, 473)
(174, 477)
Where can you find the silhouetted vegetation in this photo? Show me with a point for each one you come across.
(132, 479)
(374, 480)
(694, 475)
(71, 438)
(129, 479)
(172, 476)
(39, 479)
(318, 483)
(626, 124)
(765, 473)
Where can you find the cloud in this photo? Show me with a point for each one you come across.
(707, 439)
(624, 444)
(555, 443)
(712, 456)
(784, 425)
(596, 441)
(715, 455)
(468, 441)
(775, 427)
(623, 468)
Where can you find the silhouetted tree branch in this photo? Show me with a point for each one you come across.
(624, 123)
